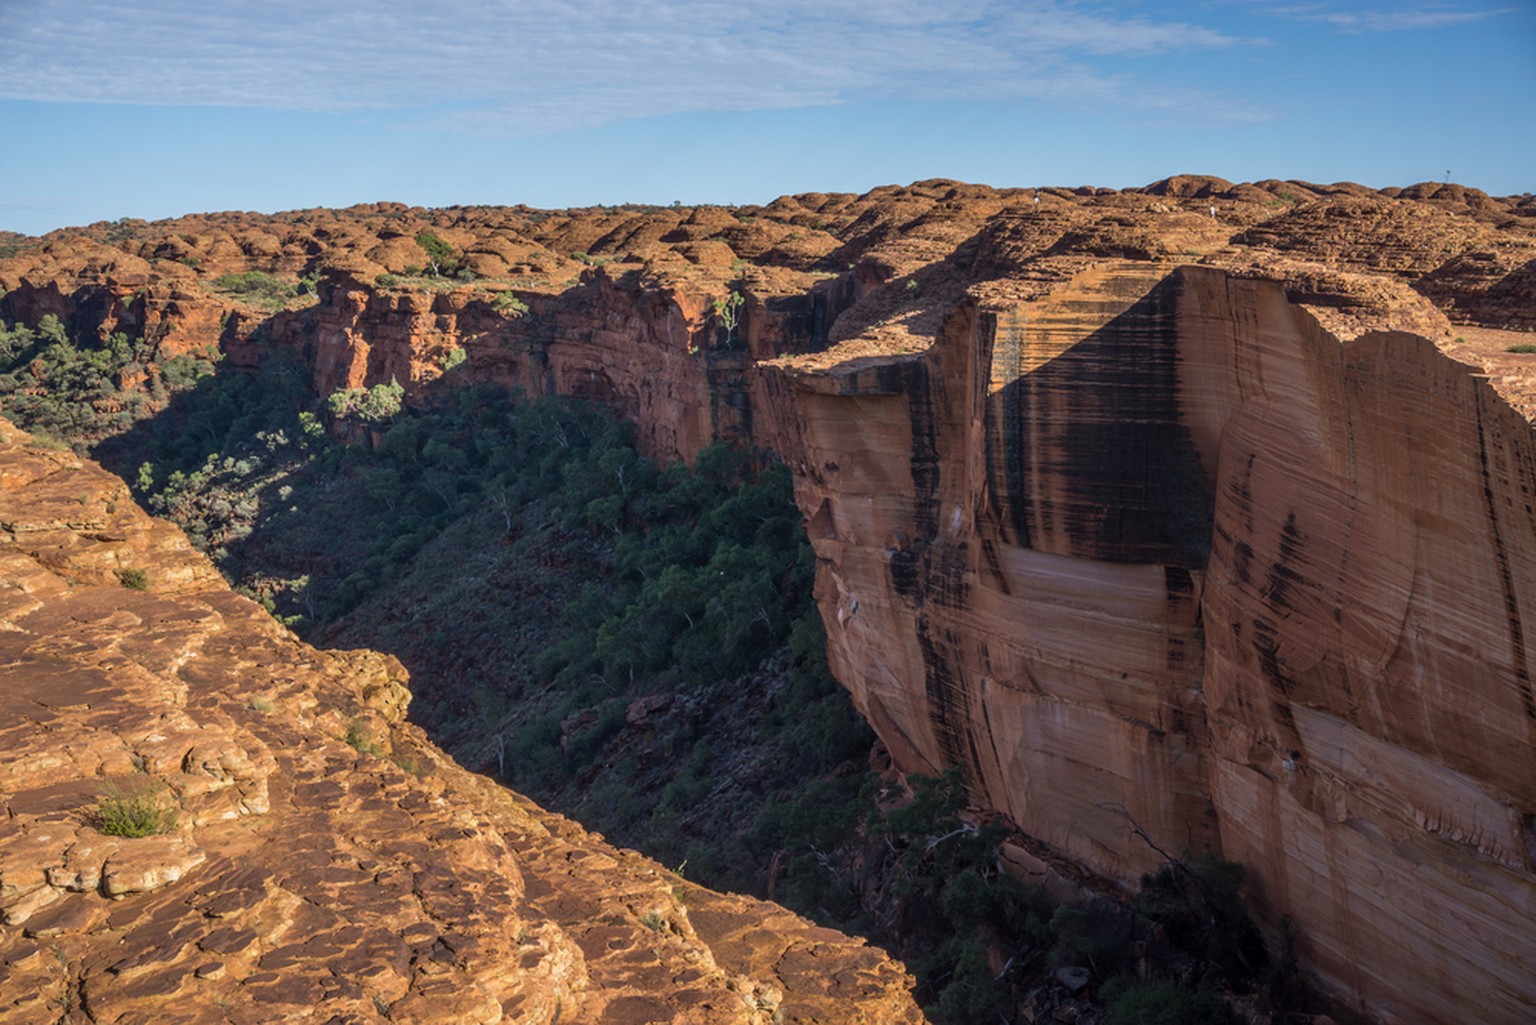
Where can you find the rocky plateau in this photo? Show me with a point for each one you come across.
(1195, 517)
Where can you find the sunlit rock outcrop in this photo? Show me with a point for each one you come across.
(311, 856)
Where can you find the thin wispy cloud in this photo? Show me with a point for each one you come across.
(542, 65)
(1389, 20)
(39, 203)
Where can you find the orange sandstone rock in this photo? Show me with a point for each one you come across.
(302, 877)
(1156, 552)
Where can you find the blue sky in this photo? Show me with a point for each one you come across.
(153, 109)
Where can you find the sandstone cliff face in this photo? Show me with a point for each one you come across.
(1201, 510)
(307, 877)
(1156, 551)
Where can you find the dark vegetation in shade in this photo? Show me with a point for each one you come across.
(634, 646)
(83, 393)
(924, 876)
(537, 575)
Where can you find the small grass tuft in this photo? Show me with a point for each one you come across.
(133, 579)
(410, 762)
(358, 736)
(144, 810)
(47, 442)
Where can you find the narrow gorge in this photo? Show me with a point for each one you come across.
(1188, 519)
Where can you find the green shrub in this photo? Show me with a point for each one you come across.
(441, 261)
(144, 810)
(1200, 907)
(50, 382)
(373, 405)
(183, 372)
(133, 579)
(510, 305)
(359, 738)
(1524, 348)
(246, 281)
(1167, 1004)
(1093, 936)
(954, 895)
(47, 442)
(727, 313)
(257, 288)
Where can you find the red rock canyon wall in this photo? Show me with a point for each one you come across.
(1157, 551)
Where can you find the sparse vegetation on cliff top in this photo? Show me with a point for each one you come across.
(266, 291)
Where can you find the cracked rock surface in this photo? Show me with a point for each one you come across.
(295, 875)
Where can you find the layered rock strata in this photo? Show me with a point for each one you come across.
(1162, 561)
(318, 858)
